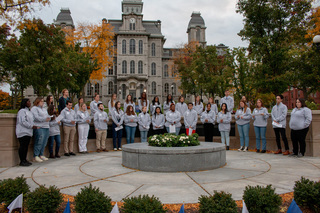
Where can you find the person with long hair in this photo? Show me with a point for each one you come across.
(63, 100)
(101, 125)
(154, 104)
(224, 120)
(144, 121)
(128, 102)
(300, 120)
(158, 121)
(173, 118)
(41, 135)
(181, 106)
(24, 130)
(260, 117)
(198, 105)
(143, 101)
(208, 118)
(112, 103)
(94, 104)
(213, 106)
(48, 102)
(190, 120)
(83, 121)
(243, 116)
(167, 104)
(117, 126)
(77, 106)
(54, 132)
(246, 101)
(130, 121)
(227, 99)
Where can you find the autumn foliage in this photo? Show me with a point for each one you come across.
(4, 100)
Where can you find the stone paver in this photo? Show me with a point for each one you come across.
(104, 170)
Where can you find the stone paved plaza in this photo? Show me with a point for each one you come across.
(105, 171)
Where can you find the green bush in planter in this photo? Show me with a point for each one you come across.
(260, 199)
(91, 199)
(219, 202)
(307, 193)
(44, 200)
(142, 204)
(10, 189)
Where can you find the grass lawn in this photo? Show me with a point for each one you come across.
(13, 111)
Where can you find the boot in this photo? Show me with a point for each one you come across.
(51, 155)
(278, 151)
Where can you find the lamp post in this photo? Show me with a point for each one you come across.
(316, 42)
(172, 90)
(92, 86)
(119, 93)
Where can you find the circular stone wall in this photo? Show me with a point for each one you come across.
(206, 156)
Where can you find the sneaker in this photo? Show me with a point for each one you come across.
(23, 163)
(292, 155)
(115, 149)
(71, 153)
(300, 155)
(263, 151)
(245, 149)
(43, 158)
(258, 151)
(27, 162)
(37, 159)
(67, 154)
(241, 148)
(119, 149)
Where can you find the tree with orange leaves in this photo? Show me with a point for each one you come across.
(4, 100)
(314, 24)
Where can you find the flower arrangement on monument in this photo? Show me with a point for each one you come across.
(172, 140)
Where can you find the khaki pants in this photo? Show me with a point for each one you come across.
(69, 133)
(101, 136)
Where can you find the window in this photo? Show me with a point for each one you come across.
(89, 89)
(124, 47)
(110, 88)
(132, 46)
(174, 89)
(198, 35)
(132, 67)
(140, 67)
(124, 92)
(97, 88)
(132, 26)
(124, 67)
(110, 71)
(166, 88)
(165, 70)
(153, 69)
(140, 47)
(154, 88)
(141, 88)
(174, 74)
(153, 49)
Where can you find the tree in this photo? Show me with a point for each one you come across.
(4, 100)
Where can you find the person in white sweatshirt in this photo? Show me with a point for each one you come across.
(154, 104)
(214, 106)
(224, 120)
(300, 120)
(181, 106)
(243, 117)
(198, 105)
(173, 118)
(101, 125)
(167, 104)
(117, 126)
(144, 121)
(54, 132)
(260, 116)
(94, 104)
(190, 120)
(128, 102)
(83, 121)
(131, 122)
(158, 122)
(208, 118)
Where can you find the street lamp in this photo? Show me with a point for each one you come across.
(316, 41)
(119, 93)
(172, 89)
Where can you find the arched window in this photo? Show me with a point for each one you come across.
(140, 67)
(124, 91)
(132, 67)
(97, 88)
(153, 69)
(198, 35)
(153, 49)
(124, 67)
(174, 89)
(154, 88)
(124, 47)
(165, 71)
(140, 47)
(110, 87)
(166, 88)
(132, 46)
(89, 89)
(132, 26)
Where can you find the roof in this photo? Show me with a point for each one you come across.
(196, 20)
(64, 17)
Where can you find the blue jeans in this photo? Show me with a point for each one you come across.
(261, 133)
(225, 139)
(244, 134)
(131, 131)
(116, 135)
(40, 141)
(144, 136)
(177, 130)
(56, 138)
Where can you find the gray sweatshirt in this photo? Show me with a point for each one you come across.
(117, 117)
(229, 101)
(198, 108)
(82, 117)
(153, 107)
(172, 117)
(214, 108)
(181, 107)
(99, 120)
(111, 108)
(144, 121)
(94, 107)
(143, 104)
(246, 116)
(225, 125)
(190, 119)
(76, 108)
(166, 106)
(158, 121)
(125, 105)
(24, 123)
(210, 116)
(300, 118)
(279, 114)
(54, 128)
(260, 120)
(128, 118)
(40, 116)
(68, 116)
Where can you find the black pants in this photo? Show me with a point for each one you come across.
(281, 131)
(23, 149)
(208, 132)
(158, 131)
(298, 138)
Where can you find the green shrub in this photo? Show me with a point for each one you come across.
(312, 105)
(142, 204)
(261, 199)
(10, 189)
(91, 199)
(172, 140)
(219, 202)
(44, 200)
(307, 193)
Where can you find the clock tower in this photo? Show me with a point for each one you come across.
(132, 6)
